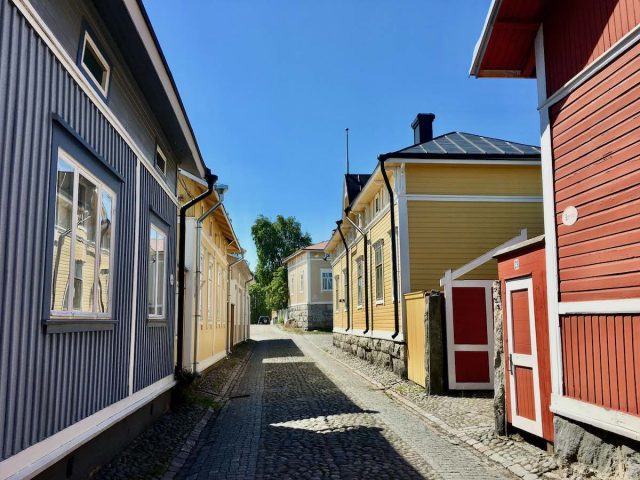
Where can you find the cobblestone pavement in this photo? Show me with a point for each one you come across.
(464, 417)
(295, 412)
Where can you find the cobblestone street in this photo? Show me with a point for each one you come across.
(295, 412)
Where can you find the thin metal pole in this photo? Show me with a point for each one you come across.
(346, 131)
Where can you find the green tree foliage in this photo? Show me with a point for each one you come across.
(275, 241)
(278, 290)
(258, 297)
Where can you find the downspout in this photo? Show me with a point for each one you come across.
(348, 282)
(229, 346)
(366, 271)
(211, 179)
(394, 253)
(198, 314)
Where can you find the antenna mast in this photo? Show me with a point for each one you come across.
(346, 132)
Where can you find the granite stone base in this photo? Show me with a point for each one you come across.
(382, 353)
(611, 455)
(311, 316)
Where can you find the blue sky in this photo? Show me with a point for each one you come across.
(269, 87)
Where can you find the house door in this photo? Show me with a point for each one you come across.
(522, 364)
(469, 322)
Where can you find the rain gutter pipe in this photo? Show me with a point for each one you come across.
(366, 270)
(348, 281)
(211, 179)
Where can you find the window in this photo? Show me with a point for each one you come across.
(337, 293)
(302, 282)
(376, 204)
(94, 64)
(346, 289)
(156, 296)
(327, 281)
(379, 272)
(218, 299)
(82, 243)
(161, 161)
(210, 292)
(359, 281)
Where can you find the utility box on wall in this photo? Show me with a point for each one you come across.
(522, 273)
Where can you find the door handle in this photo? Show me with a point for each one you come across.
(511, 363)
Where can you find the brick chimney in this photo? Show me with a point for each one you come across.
(423, 128)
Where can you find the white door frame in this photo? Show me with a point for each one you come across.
(518, 359)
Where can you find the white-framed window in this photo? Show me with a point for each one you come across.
(218, 291)
(377, 204)
(95, 64)
(359, 280)
(378, 262)
(210, 291)
(156, 294)
(337, 293)
(326, 279)
(161, 161)
(345, 289)
(82, 243)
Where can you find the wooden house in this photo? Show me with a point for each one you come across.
(216, 280)
(585, 56)
(310, 288)
(425, 209)
(92, 131)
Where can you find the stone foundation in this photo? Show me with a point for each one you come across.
(311, 316)
(611, 455)
(382, 353)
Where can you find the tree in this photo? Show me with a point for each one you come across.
(258, 299)
(275, 241)
(278, 291)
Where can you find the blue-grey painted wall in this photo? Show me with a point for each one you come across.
(49, 381)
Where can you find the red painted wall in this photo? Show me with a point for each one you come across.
(596, 145)
(531, 264)
(576, 32)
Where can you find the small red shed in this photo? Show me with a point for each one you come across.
(522, 273)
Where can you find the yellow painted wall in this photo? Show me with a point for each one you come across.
(339, 313)
(382, 312)
(447, 235)
(439, 179)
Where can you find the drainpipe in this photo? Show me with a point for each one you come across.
(394, 253)
(220, 190)
(229, 346)
(366, 270)
(348, 283)
(211, 179)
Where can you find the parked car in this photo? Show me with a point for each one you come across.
(263, 320)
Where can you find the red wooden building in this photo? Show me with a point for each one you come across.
(585, 55)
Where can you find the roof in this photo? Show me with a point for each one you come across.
(519, 246)
(468, 145)
(316, 247)
(354, 183)
(506, 45)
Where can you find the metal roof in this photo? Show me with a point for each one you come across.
(468, 145)
(354, 183)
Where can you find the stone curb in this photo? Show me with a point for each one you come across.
(180, 458)
(477, 446)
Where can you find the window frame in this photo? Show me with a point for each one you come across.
(337, 291)
(88, 38)
(322, 273)
(360, 281)
(161, 154)
(210, 290)
(345, 288)
(71, 314)
(378, 247)
(156, 317)
(301, 283)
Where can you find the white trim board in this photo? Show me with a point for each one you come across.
(444, 161)
(610, 420)
(40, 27)
(36, 458)
(627, 305)
(418, 197)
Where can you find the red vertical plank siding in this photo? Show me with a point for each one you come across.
(596, 143)
(521, 322)
(577, 32)
(610, 367)
(524, 393)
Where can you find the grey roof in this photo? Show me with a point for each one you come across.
(468, 145)
(354, 183)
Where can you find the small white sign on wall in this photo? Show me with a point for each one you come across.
(569, 216)
(516, 264)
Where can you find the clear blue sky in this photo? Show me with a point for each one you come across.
(269, 87)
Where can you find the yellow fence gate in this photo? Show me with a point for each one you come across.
(415, 307)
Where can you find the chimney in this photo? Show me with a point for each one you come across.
(423, 128)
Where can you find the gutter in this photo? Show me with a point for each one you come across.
(348, 282)
(366, 270)
(211, 180)
(394, 253)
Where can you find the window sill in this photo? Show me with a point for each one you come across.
(78, 324)
(156, 322)
(379, 302)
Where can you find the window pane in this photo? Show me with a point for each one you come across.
(93, 64)
(85, 247)
(104, 275)
(152, 274)
(161, 253)
(62, 236)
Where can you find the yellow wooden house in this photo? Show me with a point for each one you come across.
(440, 203)
(217, 279)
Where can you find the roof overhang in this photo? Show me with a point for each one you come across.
(131, 28)
(506, 46)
